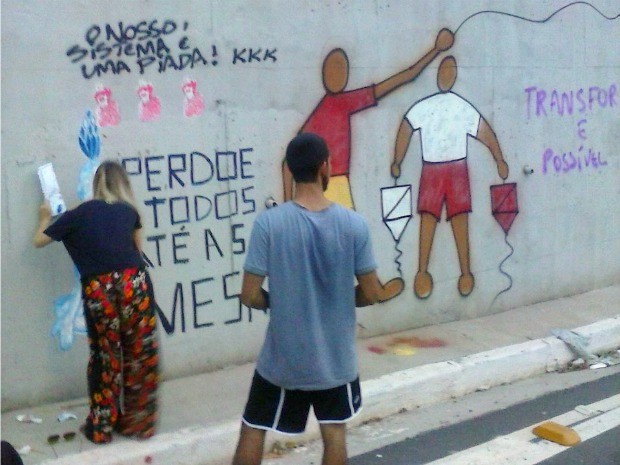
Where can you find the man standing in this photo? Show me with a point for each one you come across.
(445, 121)
(311, 249)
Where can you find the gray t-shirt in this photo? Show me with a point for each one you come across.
(311, 259)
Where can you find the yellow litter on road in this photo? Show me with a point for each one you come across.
(557, 433)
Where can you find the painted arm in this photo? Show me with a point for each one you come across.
(444, 41)
(252, 293)
(487, 137)
(287, 181)
(403, 138)
(41, 239)
(368, 289)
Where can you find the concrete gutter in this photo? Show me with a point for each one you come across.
(383, 396)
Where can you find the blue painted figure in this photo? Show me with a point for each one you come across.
(68, 308)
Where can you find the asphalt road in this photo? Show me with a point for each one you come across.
(603, 449)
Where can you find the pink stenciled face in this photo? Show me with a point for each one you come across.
(145, 96)
(102, 100)
(188, 91)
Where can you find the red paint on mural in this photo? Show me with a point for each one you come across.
(411, 341)
(504, 204)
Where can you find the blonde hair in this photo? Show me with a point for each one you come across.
(111, 184)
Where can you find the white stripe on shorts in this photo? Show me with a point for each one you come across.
(276, 420)
(350, 396)
(351, 408)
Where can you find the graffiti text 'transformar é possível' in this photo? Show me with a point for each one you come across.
(542, 103)
(583, 103)
(565, 162)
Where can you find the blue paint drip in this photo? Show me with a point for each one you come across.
(68, 308)
(89, 137)
(69, 318)
(85, 179)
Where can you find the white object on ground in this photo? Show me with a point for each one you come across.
(64, 416)
(27, 418)
(25, 450)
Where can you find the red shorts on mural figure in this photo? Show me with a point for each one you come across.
(504, 204)
(444, 182)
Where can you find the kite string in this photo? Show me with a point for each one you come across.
(397, 259)
(399, 252)
(501, 270)
(539, 21)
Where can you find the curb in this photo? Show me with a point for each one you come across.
(383, 396)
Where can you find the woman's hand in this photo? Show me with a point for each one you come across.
(41, 239)
(45, 212)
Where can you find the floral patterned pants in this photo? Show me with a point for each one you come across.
(123, 364)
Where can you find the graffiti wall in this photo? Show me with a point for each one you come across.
(478, 138)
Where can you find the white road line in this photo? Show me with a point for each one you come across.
(524, 447)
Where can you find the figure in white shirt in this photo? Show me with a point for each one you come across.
(445, 120)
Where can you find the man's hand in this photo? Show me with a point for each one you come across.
(502, 169)
(368, 290)
(444, 40)
(252, 293)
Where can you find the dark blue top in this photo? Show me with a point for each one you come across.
(99, 237)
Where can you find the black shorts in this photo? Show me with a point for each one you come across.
(271, 407)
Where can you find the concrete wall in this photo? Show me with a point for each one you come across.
(550, 91)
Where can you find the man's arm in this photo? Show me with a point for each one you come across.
(444, 41)
(487, 137)
(252, 293)
(403, 138)
(41, 239)
(368, 289)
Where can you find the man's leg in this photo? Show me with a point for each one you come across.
(460, 229)
(334, 443)
(250, 446)
(423, 283)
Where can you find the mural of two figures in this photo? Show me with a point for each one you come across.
(445, 121)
